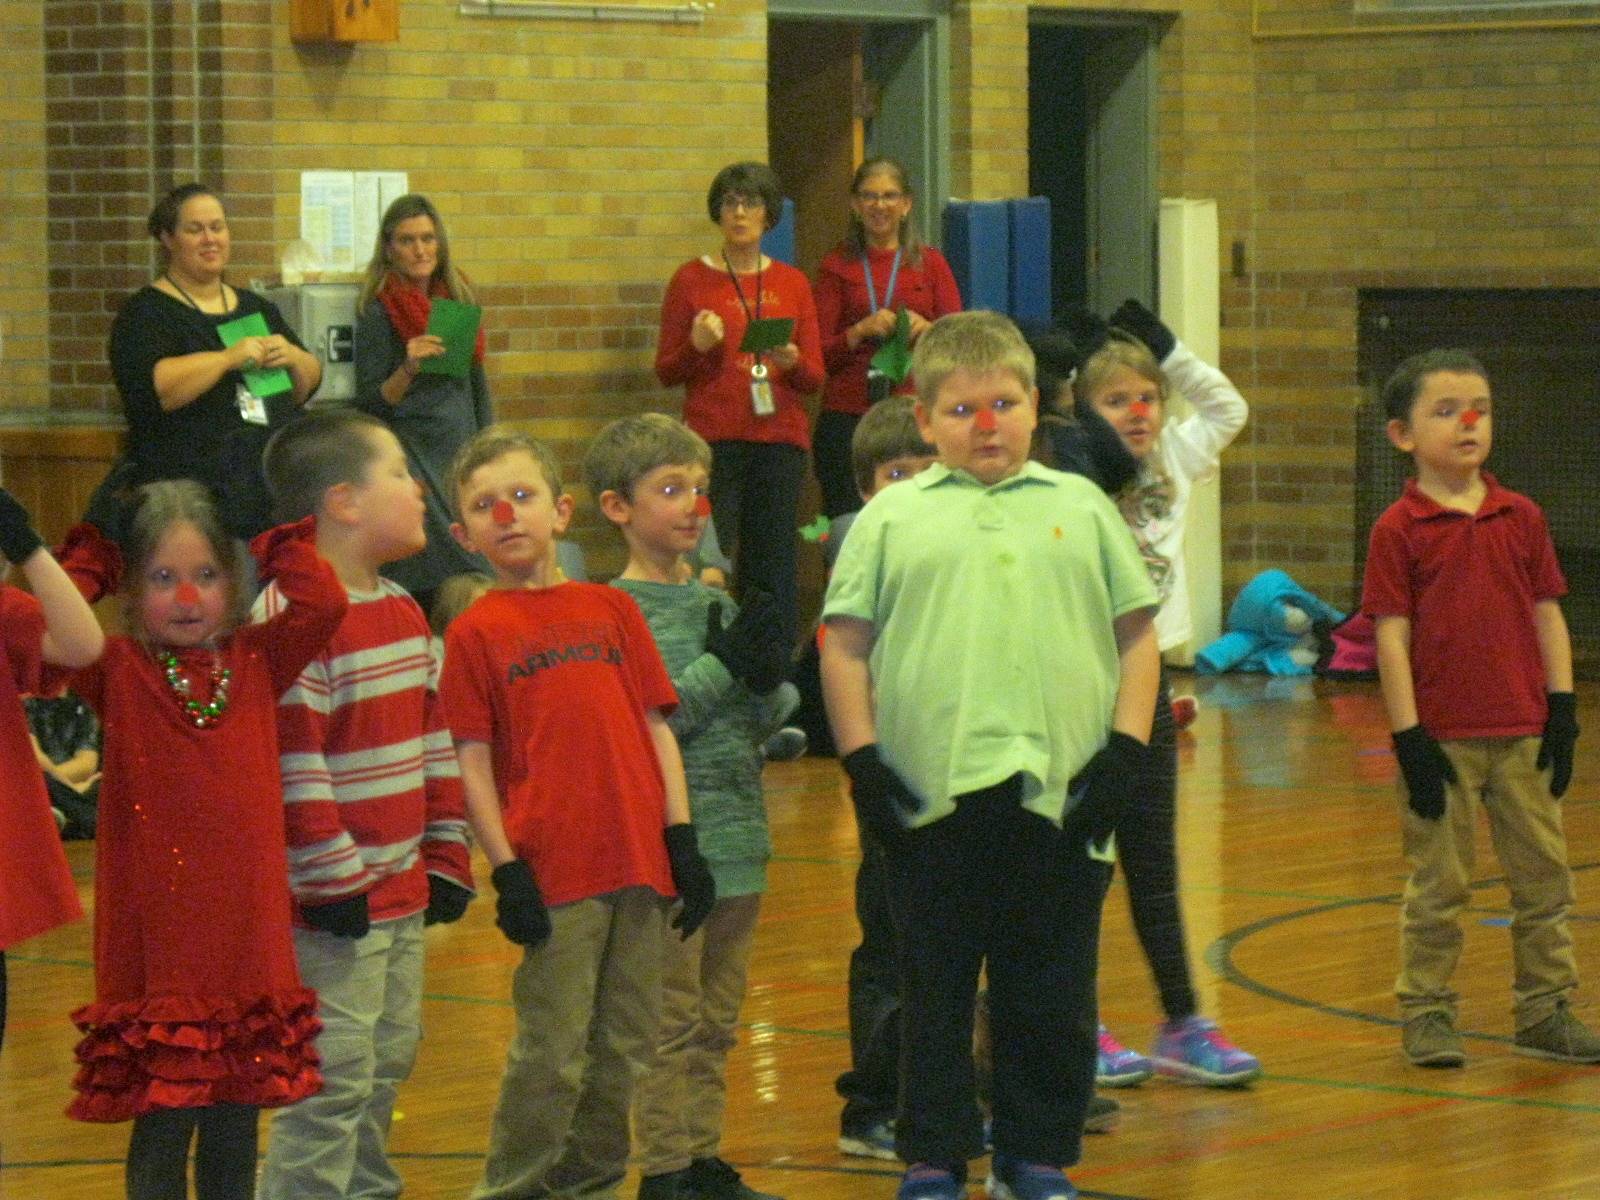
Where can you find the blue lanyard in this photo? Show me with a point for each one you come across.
(888, 291)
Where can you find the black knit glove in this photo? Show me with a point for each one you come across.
(1560, 735)
(520, 910)
(1426, 771)
(345, 918)
(882, 800)
(753, 647)
(1138, 320)
(447, 901)
(1108, 784)
(18, 539)
(691, 877)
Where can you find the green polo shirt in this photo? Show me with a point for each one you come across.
(992, 609)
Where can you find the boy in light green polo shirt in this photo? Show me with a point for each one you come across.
(990, 670)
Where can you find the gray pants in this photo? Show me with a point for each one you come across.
(331, 1146)
(587, 1003)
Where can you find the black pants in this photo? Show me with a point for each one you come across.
(1148, 851)
(994, 884)
(224, 1155)
(871, 1086)
(755, 494)
(830, 452)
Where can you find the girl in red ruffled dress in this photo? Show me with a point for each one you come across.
(199, 1018)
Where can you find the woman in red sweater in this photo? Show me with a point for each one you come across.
(748, 406)
(857, 310)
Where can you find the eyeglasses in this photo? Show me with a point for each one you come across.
(731, 202)
(880, 197)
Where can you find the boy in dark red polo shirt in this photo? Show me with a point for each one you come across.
(1476, 669)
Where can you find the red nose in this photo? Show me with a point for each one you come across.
(187, 594)
(1470, 418)
(502, 512)
(702, 506)
(1139, 408)
(984, 422)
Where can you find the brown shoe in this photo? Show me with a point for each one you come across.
(1430, 1040)
(1560, 1036)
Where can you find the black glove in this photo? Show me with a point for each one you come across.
(1138, 320)
(882, 800)
(1560, 734)
(447, 901)
(753, 647)
(520, 910)
(1108, 783)
(1110, 463)
(1426, 771)
(691, 877)
(18, 540)
(343, 918)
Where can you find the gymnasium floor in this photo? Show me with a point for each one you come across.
(1291, 876)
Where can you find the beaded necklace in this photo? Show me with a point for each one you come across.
(202, 714)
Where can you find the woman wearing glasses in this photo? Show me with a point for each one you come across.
(862, 284)
(746, 403)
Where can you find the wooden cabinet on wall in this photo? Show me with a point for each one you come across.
(344, 20)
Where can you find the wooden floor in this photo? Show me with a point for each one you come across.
(1291, 872)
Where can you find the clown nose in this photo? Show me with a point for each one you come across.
(1139, 408)
(984, 422)
(1470, 417)
(702, 506)
(502, 512)
(187, 594)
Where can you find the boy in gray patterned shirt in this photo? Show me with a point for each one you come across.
(649, 474)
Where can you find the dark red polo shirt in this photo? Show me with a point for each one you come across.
(1468, 582)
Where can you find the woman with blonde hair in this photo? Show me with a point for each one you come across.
(433, 415)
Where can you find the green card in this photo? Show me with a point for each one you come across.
(893, 358)
(769, 333)
(456, 325)
(261, 384)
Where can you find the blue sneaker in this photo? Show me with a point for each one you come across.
(924, 1181)
(876, 1141)
(1012, 1179)
(1117, 1066)
(1194, 1049)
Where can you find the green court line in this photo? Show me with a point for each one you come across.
(1395, 1089)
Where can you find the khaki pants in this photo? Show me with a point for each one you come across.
(587, 1004)
(331, 1146)
(679, 1102)
(1525, 825)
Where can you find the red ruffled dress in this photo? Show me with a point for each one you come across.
(197, 997)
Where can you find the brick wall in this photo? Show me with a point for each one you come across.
(24, 301)
(570, 161)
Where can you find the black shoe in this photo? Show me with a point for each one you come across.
(669, 1185)
(713, 1179)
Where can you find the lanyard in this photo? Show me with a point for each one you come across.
(743, 303)
(888, 291)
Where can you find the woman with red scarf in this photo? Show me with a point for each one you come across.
(432, 415)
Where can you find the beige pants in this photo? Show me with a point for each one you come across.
(587, 1002)
(1525, 825)
(679, 1101)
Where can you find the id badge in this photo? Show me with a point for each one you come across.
(251, 407)
(879, 386)
(761, 391)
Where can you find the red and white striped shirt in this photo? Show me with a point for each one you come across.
(372, 793)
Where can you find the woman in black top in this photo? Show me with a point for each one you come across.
(189, 413)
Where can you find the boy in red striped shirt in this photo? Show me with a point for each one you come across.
(376, 821)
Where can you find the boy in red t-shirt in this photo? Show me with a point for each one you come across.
(557, 700)
(1476, 669)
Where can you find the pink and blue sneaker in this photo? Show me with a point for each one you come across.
(1194, 1049)
(1117, 1066)
(1013, 1179)
(925, 1181)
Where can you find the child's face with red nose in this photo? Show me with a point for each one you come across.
(981, 422)
(1131, 405)
(664, 512)
(1451, 429)
(184, 592)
